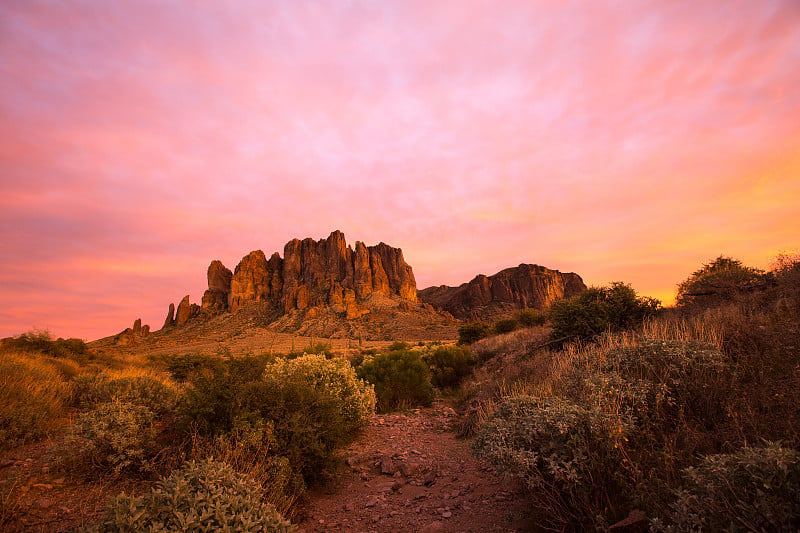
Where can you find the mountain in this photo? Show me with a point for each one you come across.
(513, 288)
(318, 287)
(326, 288)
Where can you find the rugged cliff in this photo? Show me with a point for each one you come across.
(310, 274)
(513, 288)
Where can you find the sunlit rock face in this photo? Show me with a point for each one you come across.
(312, 273)
(519, 287)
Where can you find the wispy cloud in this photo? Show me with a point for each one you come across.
(624, 141)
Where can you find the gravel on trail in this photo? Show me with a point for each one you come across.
(408, 472)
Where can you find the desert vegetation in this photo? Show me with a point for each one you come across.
(603, 407)
(252, 430)
(687, 417)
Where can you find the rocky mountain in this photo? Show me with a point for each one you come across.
(311, 274)
(513, 288)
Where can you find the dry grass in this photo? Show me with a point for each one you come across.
(248, 452)
(32, 394)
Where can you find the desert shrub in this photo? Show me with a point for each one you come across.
(211, 400)
(334, 377)
(201, 496)
(87, 391)
(401, 379)
(449, 365)
(41, 342)
(250, 449)
(320, 348)
(184, 366)
(529, 318)
(156, 394)
(114, 438)
(397, 346)
(506, 325)
(356, 358)
(684, 372)
(610, 429)
(568, 455)
(146, 391)
(474, 331)
(314, 405)
(597, 310)
(753, 489)
(31, 396)
(721, 280)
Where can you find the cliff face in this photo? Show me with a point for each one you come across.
(311, 273)
(513, 288)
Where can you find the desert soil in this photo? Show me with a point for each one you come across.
(409, 472)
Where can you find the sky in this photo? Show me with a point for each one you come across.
(622, 140)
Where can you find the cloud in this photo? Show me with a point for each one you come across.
(624, 142)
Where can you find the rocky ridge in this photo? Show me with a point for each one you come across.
(311, 274)
(519, 287)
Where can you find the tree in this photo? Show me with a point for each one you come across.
(598, 309)
(721, 280)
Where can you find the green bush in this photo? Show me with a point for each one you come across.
(754, 489)
(597, 310)
(401, 379)
(201, 496)
(115, 437)
(32, 394)
(566, 454)
(474, 331)
(449, 365)
(211, 401)
(529, 318)
(314, 405)
(721, 280)
(506, 325)
(185, 366)
(332, 377)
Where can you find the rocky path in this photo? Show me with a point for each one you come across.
(408, 472)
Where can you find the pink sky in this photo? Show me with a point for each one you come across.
(625, 140)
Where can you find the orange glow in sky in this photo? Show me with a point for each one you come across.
(629, 141)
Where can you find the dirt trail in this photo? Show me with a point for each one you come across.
(408, 472)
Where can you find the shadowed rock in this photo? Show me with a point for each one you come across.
(215, 299)
(170, 320)
(531, 286)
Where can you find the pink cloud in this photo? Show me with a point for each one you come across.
(627, 142)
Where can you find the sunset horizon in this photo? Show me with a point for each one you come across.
(631, 142)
